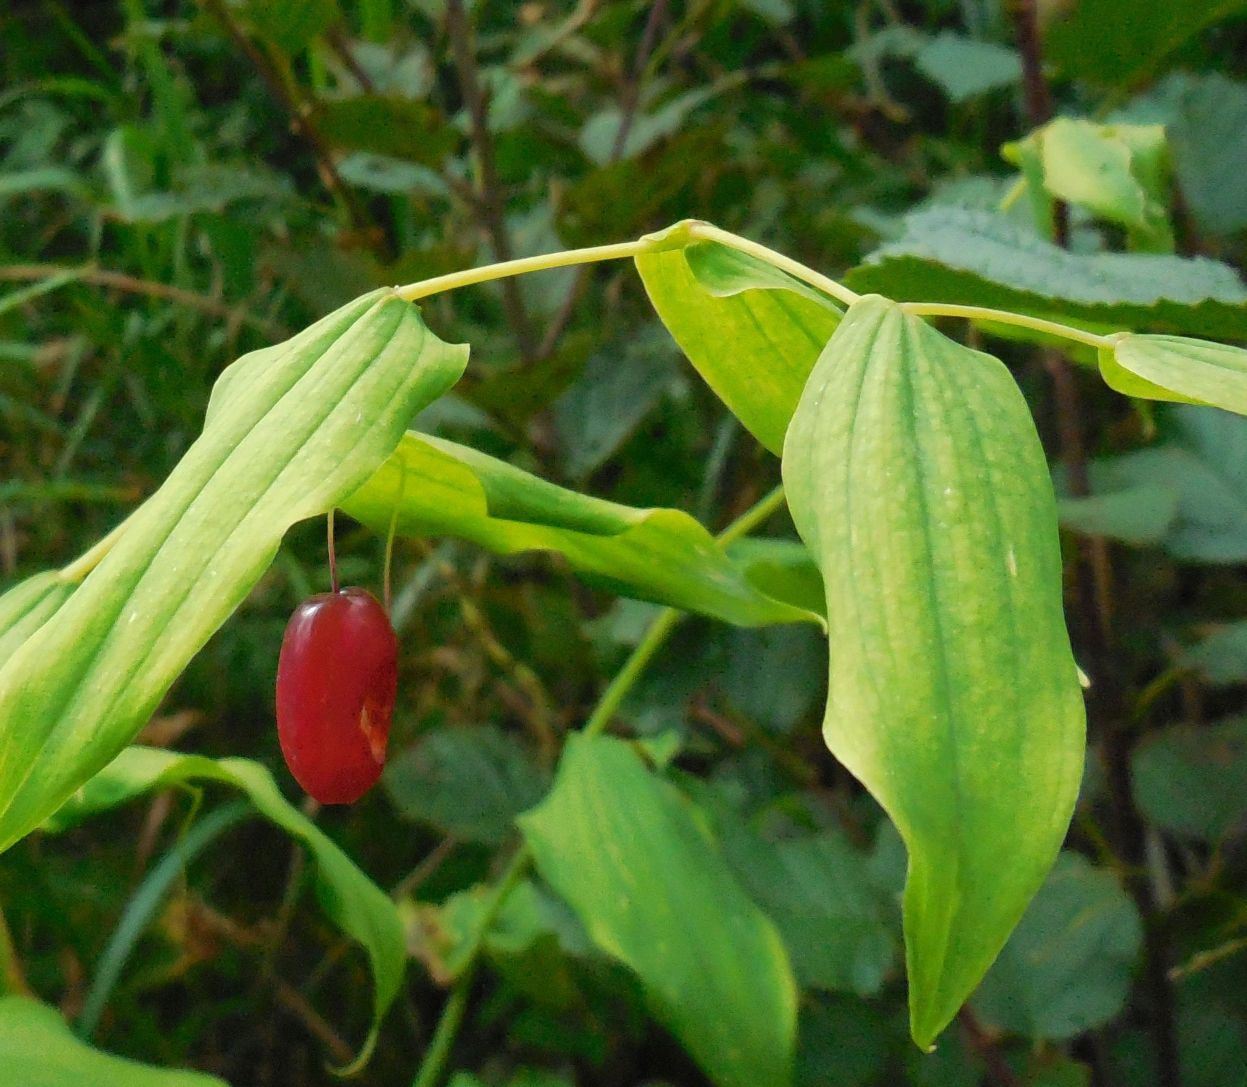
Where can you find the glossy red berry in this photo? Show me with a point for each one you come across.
(336, 681)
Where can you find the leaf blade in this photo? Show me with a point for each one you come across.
(916, 479)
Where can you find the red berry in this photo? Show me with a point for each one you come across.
(336, 681)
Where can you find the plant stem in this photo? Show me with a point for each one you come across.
(708, 233)
(438, 1051)
(1005, 317)
(469, 277)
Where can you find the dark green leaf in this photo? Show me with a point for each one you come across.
(1068, 966)
(469, 782)
(974, 257)
(1193, 779)
(387, 125)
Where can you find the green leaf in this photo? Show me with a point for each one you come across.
(291, 431)
(468, 782)
(1206, 130)
(1115, 42)
(353, 902)
(782, 569)
(751, 332)
(1193, 779)
(1138, 515)
(389, 125)
(290, 24)
(973, 257)
(1222, 656)
(661, 555)
(1182, 368)
(915, 477)
(635, 861)
(1068, 966)
(37, 1049)
(965, 67)
(1204, 462)
(818, 890)
(1118, 172)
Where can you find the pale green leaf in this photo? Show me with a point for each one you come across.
(1203, 460)
(753, 334)
(1068, 966)
(1182, 368)
(915, 476)
(1192, 779)
(1138, 515)
(37, 1049)
(973, 257)
(353, 902)
(1206, 130)
(662, 555)
(965, 67)
(632, 857)
(291, 431)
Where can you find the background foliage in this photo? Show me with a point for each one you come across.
(183, 182)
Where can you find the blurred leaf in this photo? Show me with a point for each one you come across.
(844, 1042)
(1203, 462)
(755, 346)
(1138, 515)
(1205, 129)
(1193, 779)
(915, 477)
(42, 179)
(290, 24)
(355, 904)
(1194, 370)
(965, 68)
(387, 125)
(632, 857)
(655, 554)
(469, 782)
(791, 657)
(620, 386)
(597, 138)
(1221, 657)
(973, 257)
(37, 1049)
(1114, 42)
(285, 439)
(1068, 966)
(819, 892)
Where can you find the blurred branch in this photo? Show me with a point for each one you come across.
(98, 277)
(1093, 569)
(629, 101)
(300, 117)
(490, 202)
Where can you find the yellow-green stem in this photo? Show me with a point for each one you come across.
(1006, 317)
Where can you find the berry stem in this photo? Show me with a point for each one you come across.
(333, 556)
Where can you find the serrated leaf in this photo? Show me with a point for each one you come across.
(753, 334)
(1181, 368)
(638, 867)
(353, 902)
(1192, 779)
(662, 555)
(37, 1049)
(915, 477)
(291, 430)
(974, 257)
(1068, 966)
